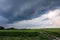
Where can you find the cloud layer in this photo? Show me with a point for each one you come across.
(51, 19)
(29, 12)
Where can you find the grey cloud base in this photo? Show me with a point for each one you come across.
(18, 10)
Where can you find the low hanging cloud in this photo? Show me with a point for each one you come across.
(50, 19)
(14, 11)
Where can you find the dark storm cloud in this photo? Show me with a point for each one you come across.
(18, 10)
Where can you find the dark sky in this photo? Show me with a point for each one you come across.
(14, 11)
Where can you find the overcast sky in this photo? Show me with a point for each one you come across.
(30, 13)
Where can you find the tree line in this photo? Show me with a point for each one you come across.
(2, 28)
(11, 28)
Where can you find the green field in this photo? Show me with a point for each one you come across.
(30, 34)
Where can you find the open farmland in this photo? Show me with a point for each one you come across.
(31, 34)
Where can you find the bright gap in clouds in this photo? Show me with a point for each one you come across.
(49, 20)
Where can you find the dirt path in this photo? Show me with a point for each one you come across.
(51, 37)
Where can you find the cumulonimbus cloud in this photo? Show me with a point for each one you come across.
(19, 10)
(50, 19)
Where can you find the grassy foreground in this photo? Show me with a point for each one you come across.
(30, 34)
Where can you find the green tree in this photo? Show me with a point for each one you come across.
(1, 27)
(11, 28)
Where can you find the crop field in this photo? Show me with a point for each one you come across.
(31, 34)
